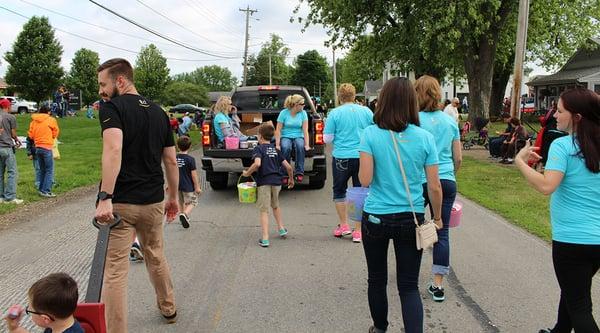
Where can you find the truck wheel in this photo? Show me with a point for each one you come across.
(316, 184)
(219, 180)
(22, 110)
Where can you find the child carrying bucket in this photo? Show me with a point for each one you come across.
(266, 166)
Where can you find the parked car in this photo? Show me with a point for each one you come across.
(183, 108)
(19, 105)
(255, 105)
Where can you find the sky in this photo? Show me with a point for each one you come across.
(217, 27)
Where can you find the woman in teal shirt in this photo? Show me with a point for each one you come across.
(387, 211)
(572, 176)
(292, 132)
(447, 142)
(225, 125)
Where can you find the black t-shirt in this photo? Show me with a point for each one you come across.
(75, 328)
(270, 163)
(186, 164)
(146, 132)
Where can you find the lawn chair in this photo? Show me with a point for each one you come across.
(91, 313)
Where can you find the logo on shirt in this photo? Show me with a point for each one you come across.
(107, 119)
(144, 103)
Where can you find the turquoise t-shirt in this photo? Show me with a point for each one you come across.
(292, 125)
(347, 123)
(575, 204)
(445, 131)
(387, 192)
(221, 118)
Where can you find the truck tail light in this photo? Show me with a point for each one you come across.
(206, 134)
(319, 132)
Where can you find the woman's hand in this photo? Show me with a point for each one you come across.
(306, 147)
(528, 153)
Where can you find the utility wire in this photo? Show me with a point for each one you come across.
(226, 25)
(174, 41)
(193, 6)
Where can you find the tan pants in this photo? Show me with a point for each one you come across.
(146, 221)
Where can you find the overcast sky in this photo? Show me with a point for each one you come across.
(209, 25)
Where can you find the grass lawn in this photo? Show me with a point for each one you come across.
(80, 150)
(503, 190)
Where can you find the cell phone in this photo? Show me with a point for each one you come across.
(374, 219)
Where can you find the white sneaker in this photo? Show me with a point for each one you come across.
(13, 201)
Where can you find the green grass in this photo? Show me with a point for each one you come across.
(503, 190)
(80, 150)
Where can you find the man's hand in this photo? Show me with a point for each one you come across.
(104, 211)
(290, 183)
(171, 209)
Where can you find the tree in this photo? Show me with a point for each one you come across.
(311, 71)
(185, 93)
(258, 66)
(34, 63)
(83, 75)
(427, 37)
(151, 72)
(214, 78)
(356, 67)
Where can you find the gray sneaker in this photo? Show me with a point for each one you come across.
(47, 195)
(13, 201)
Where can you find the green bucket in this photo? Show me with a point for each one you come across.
(247, 191)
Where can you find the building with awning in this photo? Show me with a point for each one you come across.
(582, 69)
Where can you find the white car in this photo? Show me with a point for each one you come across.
(19, 105)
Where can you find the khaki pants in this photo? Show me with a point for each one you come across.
(146, 221)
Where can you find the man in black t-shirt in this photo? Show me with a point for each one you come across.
(136, 138)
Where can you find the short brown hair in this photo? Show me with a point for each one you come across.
(184, 143)
(346, 93)
(116, 67)
(266, 131)
(515, 121)
(55, 295)
(429, 93)
(397, 105)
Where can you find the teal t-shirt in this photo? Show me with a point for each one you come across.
(575, 204)
(387, 192)
(445, 131)
(292, 125)
(221, 118)
(347, 123)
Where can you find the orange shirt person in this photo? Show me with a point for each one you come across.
(43, 130)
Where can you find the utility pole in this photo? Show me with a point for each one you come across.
(248, 12)
(270, 76)
(335, 96)
(515, 110)
(319, 89)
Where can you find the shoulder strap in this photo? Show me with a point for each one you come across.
(404, 177)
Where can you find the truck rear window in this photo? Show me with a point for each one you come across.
(261, 100)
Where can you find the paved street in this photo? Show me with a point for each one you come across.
(501, 281)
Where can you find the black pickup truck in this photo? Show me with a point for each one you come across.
(257, 104)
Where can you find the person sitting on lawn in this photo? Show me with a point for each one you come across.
(515, 142)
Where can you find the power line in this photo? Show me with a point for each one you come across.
(225, 25)
(174, 41)
(210, 18)
(182, 26)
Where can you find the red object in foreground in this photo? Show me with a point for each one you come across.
(91, 313)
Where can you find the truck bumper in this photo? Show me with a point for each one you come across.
(312, 165)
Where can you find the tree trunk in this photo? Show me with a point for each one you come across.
(499, 81)
(479, 67)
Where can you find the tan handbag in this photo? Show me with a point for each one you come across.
(427, 232)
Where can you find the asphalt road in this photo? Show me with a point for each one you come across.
(502, 278)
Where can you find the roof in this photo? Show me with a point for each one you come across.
(213, 96)
(3, 84)
(372, 87)
(563, 77)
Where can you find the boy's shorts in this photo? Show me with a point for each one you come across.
(268, 194)
(188, 198)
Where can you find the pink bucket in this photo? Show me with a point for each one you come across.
(232, 143)
(456, 214)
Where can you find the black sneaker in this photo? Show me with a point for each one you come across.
(545, 330)
(374, 329)
(172, 319)
(135, 254)
(185, 220)
(437, 293)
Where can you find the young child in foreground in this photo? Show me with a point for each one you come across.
(52, 302)
(266, 168)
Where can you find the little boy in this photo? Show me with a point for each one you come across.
(189, 185)
(267, 163)
(52, 302)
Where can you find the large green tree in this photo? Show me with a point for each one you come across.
(214, 78)
(258, 66)
(311, 71)
(34, 62)
(179, 92)
(151, 72)
(358, 66)
(83, 74)
(429, 38)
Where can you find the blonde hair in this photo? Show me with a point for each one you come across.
(223, 105)
(429, 93)
(346, 93)
(292, 100)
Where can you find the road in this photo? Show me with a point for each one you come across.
(501, 280)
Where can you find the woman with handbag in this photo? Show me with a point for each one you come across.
(394, 155)
(447, 141)
(572, 176)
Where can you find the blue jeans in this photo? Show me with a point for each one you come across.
(400, 228)
(38, 172)
(46, 162)
(286, 149)
(8, 163)
(343, 170)
(441, 249)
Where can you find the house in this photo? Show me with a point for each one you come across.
(371, 90)
(3, 85)
(582, 69)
